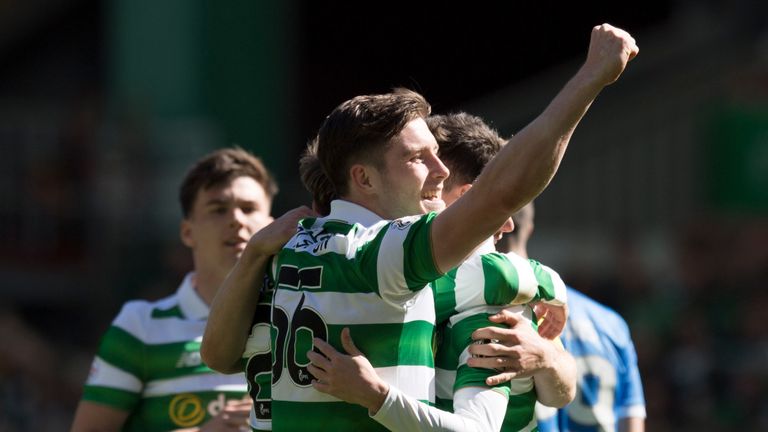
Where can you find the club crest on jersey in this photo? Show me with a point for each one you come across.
(402, 224)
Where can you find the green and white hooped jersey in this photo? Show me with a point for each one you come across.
(257, 360)
(453, 372)
(149, 364)
(488, 277)
(485, 283)
(351, 269)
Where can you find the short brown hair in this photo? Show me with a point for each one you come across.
(361, 129)
(219, 167)
(315, 180)
(466, 144)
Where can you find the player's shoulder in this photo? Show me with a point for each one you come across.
(582, 306)
(135, 314)
(406, 222)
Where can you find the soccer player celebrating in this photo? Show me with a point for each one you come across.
(357, 269)
(481, 286)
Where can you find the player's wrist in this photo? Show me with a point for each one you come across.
(377, 397)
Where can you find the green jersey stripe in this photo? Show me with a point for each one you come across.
(520, 414)
(120, 399)
(443, 291)
(174, 312)
(182, 410)
(410, 339)
(120, 347)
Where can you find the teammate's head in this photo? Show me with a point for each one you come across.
(315, 180)
(467, 144)
(517, 240)
(225, 197)
(378, 152)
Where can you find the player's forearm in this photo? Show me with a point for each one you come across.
(556, 384)
(232, 312)
(527, 164)
(522, 169)
(476, 410)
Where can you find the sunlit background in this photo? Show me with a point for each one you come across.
(660, 209)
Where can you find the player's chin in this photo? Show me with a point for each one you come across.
(432, 205)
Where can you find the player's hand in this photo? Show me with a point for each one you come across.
(554, 318)
(270, 239)
(516, 352)
(234, 417)
(610, 49)
(350, 378)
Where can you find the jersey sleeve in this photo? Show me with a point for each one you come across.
(476, 410)
(399, 259)
(117, 373)
(507, 279)
(630, 400)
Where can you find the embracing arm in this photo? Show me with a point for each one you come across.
(520, 352)
(525, 166)
(352, 378)
(235, 303)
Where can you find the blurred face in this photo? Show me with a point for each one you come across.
(222, 220)
(412, 179)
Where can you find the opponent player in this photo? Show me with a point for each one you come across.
(147, 374)
(609, 390)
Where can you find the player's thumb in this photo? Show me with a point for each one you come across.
(348, 344)
(540, 310)
(506, 317)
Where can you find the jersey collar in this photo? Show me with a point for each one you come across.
(353, 213)
(192, 306)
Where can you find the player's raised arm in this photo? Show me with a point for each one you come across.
(527, 164)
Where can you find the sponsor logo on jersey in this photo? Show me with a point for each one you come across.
(186, 409)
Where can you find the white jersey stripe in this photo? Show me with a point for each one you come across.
(390, 265)
(196, 383)
(411, 380)
(528, 285)
(363, 308)
(444, 383)
(105, 374)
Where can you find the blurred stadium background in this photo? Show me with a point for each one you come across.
(660, 209)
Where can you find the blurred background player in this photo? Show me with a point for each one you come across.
(609, 390)
(147, 374)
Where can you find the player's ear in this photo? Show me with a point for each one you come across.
(185, 233)
(464, 188)
(363, 178)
